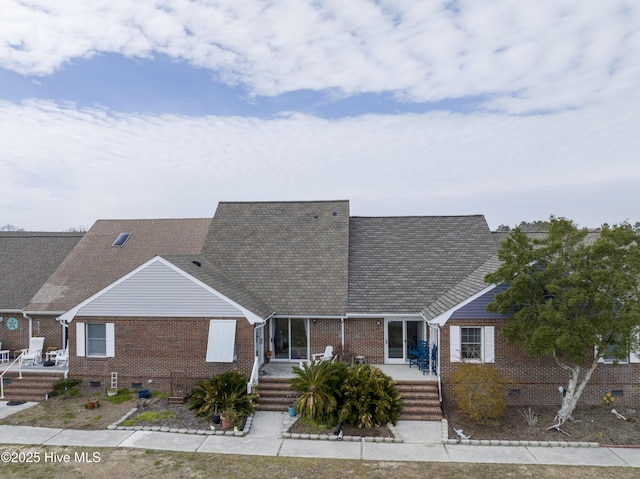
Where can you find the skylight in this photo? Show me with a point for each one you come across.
(121, 239)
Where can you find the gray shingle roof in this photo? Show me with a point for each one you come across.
(212, 276)
(467, 287)
(94, 263)
(403, 264)
(27, 259)
(292, 255)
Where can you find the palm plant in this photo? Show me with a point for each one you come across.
(318, 389)
(369, 398)
(224, 392)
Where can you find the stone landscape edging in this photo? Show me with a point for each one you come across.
(504, 442)
(289, 421)
(212, 431)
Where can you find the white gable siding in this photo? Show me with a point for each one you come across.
(160, 291)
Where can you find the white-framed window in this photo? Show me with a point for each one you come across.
(472, 343)
(96, 340)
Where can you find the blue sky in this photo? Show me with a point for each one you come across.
(115, 109)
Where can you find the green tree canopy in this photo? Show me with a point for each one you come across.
(570, 293)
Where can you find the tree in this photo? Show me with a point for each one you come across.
(571, 297)
(9, 227)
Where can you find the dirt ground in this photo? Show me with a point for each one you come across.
(590, 424)
(115, 462)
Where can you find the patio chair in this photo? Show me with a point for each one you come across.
(326, 356)
(62, 356)
(33, 355)
(319, 357)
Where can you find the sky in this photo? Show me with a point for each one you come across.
(516, 110)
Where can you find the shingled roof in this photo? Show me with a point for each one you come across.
(401, 265)
(27, 259)
(292, 255)
(95, 262)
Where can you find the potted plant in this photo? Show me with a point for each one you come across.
(229, 419)
(225, 393)
(92, 403)
(267, 356)
(112, 392)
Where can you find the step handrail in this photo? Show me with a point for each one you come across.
(5, 371)
(255, 376)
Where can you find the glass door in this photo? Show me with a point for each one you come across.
(400, 336)
(290, 339)
(395, 342)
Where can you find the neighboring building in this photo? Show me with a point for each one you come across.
(27, 259)
(175, 301)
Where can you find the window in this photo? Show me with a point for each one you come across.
(95, 340)
(121, 239)
(613, 357)
(471, 343)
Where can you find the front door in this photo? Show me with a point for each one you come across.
(400, 336)
(290, 339)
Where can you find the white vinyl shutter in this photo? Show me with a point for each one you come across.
(111, 340)
(80, 341)
(221, 344)
(489, 344)
(454, 344)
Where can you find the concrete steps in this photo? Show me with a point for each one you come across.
(420, 399)
(275, 394)
(34, 385)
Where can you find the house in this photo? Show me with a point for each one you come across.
(468, 332)
(174, 301)
(285, 277)
(27, 259)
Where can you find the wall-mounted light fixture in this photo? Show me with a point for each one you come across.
(315, 320)
(378, 322)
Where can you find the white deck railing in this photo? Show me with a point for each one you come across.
(5, 371)
(255, 374)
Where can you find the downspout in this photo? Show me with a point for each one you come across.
(436, 326)
(342, 333)
(26, 316)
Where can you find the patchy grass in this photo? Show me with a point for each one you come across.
(148, 417)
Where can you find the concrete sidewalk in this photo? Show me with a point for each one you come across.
(421, 442)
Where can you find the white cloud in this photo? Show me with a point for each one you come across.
(527, 56)
(62, 167)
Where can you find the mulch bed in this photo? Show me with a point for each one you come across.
(590, 424)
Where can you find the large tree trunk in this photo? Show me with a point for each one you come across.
(578, 379)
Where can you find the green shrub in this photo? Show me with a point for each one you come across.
(369, 398)
(66, 387)
(479, 391)
(224, 392)
(318, 390)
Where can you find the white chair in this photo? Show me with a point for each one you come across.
(326, 356)
(33, 355)
(62, 357)
(319, 357)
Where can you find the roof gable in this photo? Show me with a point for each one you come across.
(159, 289)
(292, 255)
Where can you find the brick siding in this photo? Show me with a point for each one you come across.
(535, 381)
(152, 348)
